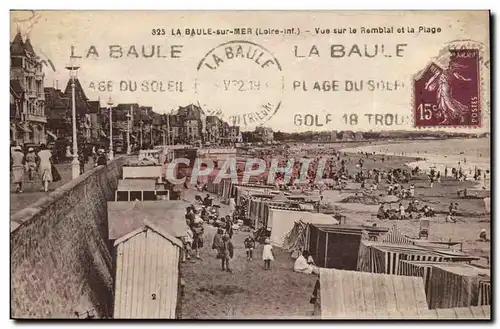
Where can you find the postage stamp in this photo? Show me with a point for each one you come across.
(247, 78)
(448, 92)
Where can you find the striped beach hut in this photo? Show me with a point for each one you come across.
(385, 257)
(395, 236)
(422, 269)
(356, 295)
(455, 285)
(485, 292)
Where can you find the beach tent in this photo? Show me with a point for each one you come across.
(282, 221)
(147, 281)
(455, 285)
(125, 217)
(358, 295)
(395, 236)
(336, 246)
(296, 240)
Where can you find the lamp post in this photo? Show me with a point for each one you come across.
(128, 131)
(110, 107)
(141, 134)
(75, 165)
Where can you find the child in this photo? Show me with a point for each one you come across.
(267, 254)
(187, 241)
(249, 246)
(217, 242)
(226, 251)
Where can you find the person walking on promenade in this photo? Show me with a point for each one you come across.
(31, 163)
(45, 166)
(17, 168)
(267, 254)
(226, 252)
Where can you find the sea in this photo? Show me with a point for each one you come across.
(469, 154)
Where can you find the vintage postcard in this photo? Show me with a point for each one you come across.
(250, 165)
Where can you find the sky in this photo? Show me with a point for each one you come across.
(239, 87)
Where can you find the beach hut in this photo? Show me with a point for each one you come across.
(147, 281)
(385, 257)
(455, 285)
(282, 220)
(337, 246)
(343, 294)
(484, 292)
(125, 217)
(140, 189)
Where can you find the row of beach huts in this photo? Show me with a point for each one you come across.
(367, 271)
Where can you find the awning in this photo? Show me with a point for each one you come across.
(24, 128)
(51, 134)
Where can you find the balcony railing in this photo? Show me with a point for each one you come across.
(36, 118)
(39, 75)
(31, 93)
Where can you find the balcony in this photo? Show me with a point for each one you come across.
(31, 93)
(36, 118)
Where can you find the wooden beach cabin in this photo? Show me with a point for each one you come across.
(340, 294)
(337, 246)
(147, 274)
(140, 189)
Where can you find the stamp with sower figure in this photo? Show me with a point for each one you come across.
(448, 92)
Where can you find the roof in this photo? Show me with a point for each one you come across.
(28, 46)
(463, 269)
(17, 46)
(395, 236)
(355, 295)
(136, 185)
(125, 217)
(149, 226)
(353, 229)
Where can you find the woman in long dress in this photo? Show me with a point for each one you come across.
(18, 168)
(45, 166)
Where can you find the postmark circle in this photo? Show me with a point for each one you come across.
(240, 81)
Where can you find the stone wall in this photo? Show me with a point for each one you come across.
(60, 253)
